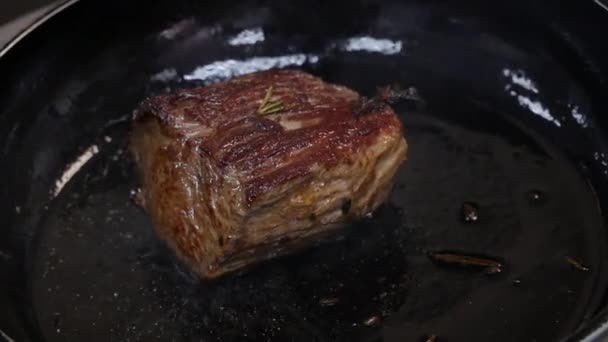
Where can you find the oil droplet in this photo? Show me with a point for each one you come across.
(329, 301)
(469, 212)
(372, 321)
(536, 197)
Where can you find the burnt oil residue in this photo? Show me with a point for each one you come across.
(498, 130)
(469, 212)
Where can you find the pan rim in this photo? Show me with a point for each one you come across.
(35, 24)
(594, 331)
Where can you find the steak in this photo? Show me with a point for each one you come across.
(261, 165)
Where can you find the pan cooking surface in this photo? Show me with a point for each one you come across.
(507, 131)
(99, 267)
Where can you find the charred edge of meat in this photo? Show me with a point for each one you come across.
(367, 106)
(386, 95)
(154, 106)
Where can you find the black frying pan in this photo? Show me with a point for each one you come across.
(514, 122)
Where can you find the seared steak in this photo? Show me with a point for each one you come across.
(261, 165)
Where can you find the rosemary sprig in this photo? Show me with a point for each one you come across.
(489, 265)
(576, 264)
(269, 104)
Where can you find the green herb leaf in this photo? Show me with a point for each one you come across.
(269, 104)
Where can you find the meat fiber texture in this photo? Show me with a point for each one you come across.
(229, 182)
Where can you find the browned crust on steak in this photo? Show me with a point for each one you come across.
(259, 147)
(228, 187)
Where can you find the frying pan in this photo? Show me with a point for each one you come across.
(513, 123)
